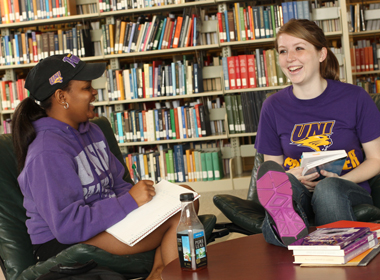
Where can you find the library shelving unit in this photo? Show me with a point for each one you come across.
(236, 151)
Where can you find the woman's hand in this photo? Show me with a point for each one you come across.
(307, 180)
(143, 192)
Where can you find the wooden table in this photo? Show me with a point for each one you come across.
(251, 257)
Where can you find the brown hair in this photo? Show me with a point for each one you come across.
(307, 30)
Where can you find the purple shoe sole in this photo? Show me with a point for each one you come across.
(275, 195)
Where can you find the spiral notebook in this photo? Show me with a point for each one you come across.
(145, 219)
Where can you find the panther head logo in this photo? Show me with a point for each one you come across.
(316, 142)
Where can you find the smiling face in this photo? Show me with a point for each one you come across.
(300, 60)
(80, 98)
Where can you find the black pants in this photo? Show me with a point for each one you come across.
(43, 252)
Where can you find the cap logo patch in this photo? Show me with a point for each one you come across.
(56, 78)
(72, 59)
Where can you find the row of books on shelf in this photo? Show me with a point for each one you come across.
(159, 78)
(243, 111)
(31, 46)
(347, 243)
(356, 17)
(371, 84)
(365, 56)
(162, 123)
(242, 21)
(116, 5)
(178, 164)
(25, 10)
(155, 32)
(12, 93)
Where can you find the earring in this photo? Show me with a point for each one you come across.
(66, 106)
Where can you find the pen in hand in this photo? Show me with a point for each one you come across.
(135, 174)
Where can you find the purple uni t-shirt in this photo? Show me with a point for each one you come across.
(342, 117)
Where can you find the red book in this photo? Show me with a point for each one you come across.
(370, 56)
(191, 43)
(362, 59)
(357, 59)
(101, 6)
(231, 72)
(130, 164)
(237, 71)
(58, 8)
(252, 82)
(17, 11)
(177, 32)
(353, 63)
(348, 224)
(4, 97)
(366, 58)
(170, 35)
(220, 24)
(176, 123)
(245, 24)
(243, 71)
(252, 27)
(145, 125)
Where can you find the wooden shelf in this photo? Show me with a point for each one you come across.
(366, 73)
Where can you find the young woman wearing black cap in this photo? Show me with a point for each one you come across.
(72, 184)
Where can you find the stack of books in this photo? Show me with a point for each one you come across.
(333, 245)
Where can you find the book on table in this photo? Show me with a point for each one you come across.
(331, 161)
(345, 224)
(145, 219)
(328, 239)
(333, 245)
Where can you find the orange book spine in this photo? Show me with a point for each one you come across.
(189, 31)
(370, 56)
(252, 26)
(177, 32)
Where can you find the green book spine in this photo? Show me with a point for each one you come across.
(170, 163)
(273, 20)
(172, 120)
(230, 115)
(240, 109)
(210, 168)
(235, 111)
(198, 171)
(217, 167)
(280, 74)
(241, 24)
(204, 166)
(158, 35)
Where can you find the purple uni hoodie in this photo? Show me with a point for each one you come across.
(72, 183)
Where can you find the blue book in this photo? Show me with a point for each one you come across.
(285, 14)
(120, 127)
(227, 27)
(290, 10)
(170, 77)
(195, 122)
(75, 41)
(266, 24)
(306, 10)
(56, 44)
(110, 75)
(162, 35)
(256, 20)
(141, 123)
(173, 79)
(300, 14)
(167, 123)
(195, 31)
(17, 54)
(143, 172)
(180, 164)
(184, 132)
(157, 124)
(295, 9)
(48, 9)
(131, 84)
(225, 73)
(134, 74)
(131, 37)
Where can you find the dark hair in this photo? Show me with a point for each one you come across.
(307, 30)
(23, 132)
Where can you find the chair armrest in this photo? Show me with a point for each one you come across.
(137, 265)
(245, 213)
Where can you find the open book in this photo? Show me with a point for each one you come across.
(145, 219)
(332, 161)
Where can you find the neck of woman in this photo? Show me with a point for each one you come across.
(310, 90)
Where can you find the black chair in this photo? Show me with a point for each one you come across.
(16, 252)
(247, 215)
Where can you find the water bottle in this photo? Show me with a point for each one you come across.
(191, 237)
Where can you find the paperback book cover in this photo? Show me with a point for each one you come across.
(329, 238)
(332, 161)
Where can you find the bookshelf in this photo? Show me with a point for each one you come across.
(237, 151)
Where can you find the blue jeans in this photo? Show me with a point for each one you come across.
(332, 200)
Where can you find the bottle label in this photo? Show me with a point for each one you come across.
(192, 257)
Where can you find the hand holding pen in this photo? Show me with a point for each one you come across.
(143, 191)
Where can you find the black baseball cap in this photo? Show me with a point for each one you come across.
(54, 72)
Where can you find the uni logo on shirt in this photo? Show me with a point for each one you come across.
(315, 135)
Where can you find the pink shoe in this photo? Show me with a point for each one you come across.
(275, 195)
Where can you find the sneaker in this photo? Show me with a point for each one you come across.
(275, 195)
